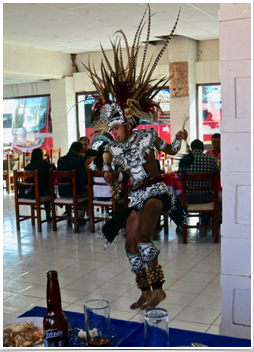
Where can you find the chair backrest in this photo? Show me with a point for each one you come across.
(206, 181)
(26, 158)
(45, 155)
(13, 162)
(20, 179)
(92, 174)
(63, 179)
(55, 154)
(5, 151)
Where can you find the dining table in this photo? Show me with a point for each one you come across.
(131, 334)
(175, 185)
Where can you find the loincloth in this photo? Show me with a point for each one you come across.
(152, 189)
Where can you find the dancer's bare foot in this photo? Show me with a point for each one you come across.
(145, 296)
(156, 297)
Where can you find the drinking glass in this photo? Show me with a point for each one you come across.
(156, 328)
(97, 322)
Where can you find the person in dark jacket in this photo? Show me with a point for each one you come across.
(37, 163)
(72, 161)
(87, 154)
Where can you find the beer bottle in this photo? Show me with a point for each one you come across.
(55, 323)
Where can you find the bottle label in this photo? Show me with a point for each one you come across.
(54, 338)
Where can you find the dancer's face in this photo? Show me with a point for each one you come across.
(122, 132)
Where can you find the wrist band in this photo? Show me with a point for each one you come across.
(176, 144)
(120, 177)
(161, 145)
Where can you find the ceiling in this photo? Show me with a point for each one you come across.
(80, 27)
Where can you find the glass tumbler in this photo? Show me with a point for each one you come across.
(156, 328)
(97, 322)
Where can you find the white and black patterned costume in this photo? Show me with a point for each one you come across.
(124, 97)
(131, 155)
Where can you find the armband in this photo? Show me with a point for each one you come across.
(120, 177)
(161, 145)
(176, 145)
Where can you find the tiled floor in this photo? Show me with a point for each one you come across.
(86, 271)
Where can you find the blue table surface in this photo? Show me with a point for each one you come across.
(131, 334)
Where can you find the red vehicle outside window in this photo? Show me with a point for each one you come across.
(32, 124)
(161, 122)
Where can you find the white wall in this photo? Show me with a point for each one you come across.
(35, 63)
(57, 65)
(235, 74)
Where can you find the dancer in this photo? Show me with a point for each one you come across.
(125, 96)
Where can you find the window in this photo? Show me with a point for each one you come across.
(209, 112)
(27, 123)
(161, 122)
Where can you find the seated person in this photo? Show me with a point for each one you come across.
(72, 161)
(198, 162)
(101, 192)
(215, 151)
(37, 163)
(87, 154)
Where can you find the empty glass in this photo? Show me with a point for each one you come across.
(156, 328)
(97, 321)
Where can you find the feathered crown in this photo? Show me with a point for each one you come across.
(125, 94)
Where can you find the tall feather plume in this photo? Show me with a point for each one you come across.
(164, 47)
(106, 59)
(141, 79)
(147, 39)
(133, 46)
(116, 62)
(119, 83)
(122, 71)
(126, 43)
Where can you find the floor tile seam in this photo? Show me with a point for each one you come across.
(26, 296)
(213, 324)
(200, 263)
(75, 278)
(188, 302)
(184, 321)
(193, 293)
(219, 312)
(204, 273)
(208, 285)
(108, 281)
(215, 320)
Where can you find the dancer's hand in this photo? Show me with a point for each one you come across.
(109, 176)
(183, 134)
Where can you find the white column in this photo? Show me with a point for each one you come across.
(63, 113)
(184, 49)
(235, 75)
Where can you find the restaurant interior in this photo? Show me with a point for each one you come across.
(207, 280)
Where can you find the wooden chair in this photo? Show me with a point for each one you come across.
(55, 154)
(7, 150)
(208, 181)
(12, 163)
(45, 155)
(113, 204)
(68, 178)
(162, 223)
(19, 178)
(26, 158)
(161, 157)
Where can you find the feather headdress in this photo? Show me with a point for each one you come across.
(125, 94)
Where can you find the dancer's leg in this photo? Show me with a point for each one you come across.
(137, 265)
(147, 221)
